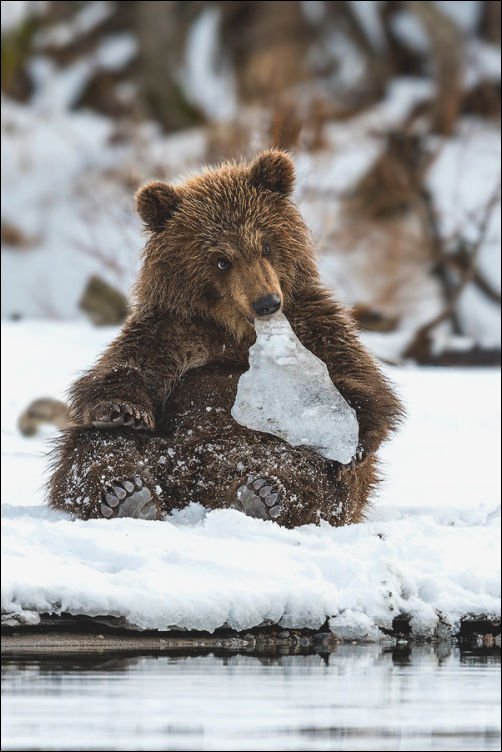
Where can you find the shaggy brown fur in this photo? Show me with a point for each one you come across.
(218, 243)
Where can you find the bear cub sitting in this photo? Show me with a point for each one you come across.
(152, 429)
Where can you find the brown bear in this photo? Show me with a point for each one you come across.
(152, 425)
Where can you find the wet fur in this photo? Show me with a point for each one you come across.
(187, 341)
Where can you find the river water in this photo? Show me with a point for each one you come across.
(355, 698)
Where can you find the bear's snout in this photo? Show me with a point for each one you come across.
(267, 305)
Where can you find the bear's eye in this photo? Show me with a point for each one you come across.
(224, 264)
(266, 249)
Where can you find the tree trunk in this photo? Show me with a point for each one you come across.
(489, 26)
(447, 56)
(162, 28)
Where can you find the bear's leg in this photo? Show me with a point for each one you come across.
(269, 479)
(296, 487)
(104, 474)
(292, 486)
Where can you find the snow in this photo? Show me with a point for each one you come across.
(482, 60)
(465, 15)
(57, 220)
(15, 12)
(463, 179)
(354, 260)
(58, 89)
(316, 415)
(461, 201)
(367, 13)
(116, 51)
(82, 221)
(313, 10)
(63, 34)
(462, 204)
(410, 31)
(482, 63)
(209, 81)
(68, 182)
(430, 546)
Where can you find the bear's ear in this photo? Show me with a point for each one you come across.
(274, 170)
(156, 202)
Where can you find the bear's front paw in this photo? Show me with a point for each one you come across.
(120, 415)
(339, 470)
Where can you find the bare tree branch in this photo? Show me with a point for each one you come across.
(420, 348)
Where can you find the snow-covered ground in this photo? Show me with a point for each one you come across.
(430, 547)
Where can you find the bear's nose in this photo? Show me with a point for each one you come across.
(267, 305)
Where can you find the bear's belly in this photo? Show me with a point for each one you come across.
(202, 399)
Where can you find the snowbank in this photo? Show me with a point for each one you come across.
(227, 569)
(430, 547)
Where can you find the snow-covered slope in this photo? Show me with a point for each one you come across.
(430, 546)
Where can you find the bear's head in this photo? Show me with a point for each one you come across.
(228, 244)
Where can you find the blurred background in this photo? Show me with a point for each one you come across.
(391, 110)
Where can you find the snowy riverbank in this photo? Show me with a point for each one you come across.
(430, 547)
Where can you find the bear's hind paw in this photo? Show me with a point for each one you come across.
(129, 498)
(256, 498)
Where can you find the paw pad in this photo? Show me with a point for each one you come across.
(128, 498)
(257, 498)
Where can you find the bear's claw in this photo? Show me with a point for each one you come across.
(124, 414)
(128, 498)
(256, 498)
(340, 470)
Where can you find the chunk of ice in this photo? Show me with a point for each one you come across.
(287, 392)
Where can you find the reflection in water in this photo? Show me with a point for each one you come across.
(357, 698)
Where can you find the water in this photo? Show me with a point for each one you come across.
(357, 698)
